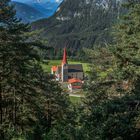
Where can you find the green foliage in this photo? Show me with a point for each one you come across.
(127, 50)
(68, 128)
(111, 109)
(30, 102)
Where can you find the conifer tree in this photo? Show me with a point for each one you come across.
(27, 94)
(127, 49)
(112, 107)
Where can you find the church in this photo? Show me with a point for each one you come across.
(68, 72)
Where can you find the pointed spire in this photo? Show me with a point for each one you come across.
(64, 61)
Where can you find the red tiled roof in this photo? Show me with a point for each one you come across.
(54, 68)
(74, 80)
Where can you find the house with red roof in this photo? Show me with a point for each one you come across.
(74, 84)
(71, 73)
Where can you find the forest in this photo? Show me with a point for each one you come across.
(35, 107)
(80, 24)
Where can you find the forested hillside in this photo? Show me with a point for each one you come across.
(80, 23)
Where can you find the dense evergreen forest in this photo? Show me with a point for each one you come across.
(34, 107)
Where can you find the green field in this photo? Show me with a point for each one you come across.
(47, 67)
(75, 100)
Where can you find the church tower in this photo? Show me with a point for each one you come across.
(64, 61)
(64, 75)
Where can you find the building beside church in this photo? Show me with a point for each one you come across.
(72, 73)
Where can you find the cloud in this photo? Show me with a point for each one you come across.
(58, 1)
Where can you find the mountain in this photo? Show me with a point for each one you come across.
(26, 12)
(80, 23)
(32, 10)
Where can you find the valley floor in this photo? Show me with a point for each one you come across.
(75, 95)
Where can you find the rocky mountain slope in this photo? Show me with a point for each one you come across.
(80, 23)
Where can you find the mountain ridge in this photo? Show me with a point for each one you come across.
(31, 10)
(82, 23)
(30, 15)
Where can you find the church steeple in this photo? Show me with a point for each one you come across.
(64, 61)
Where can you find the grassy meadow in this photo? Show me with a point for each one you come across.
(47, 66)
